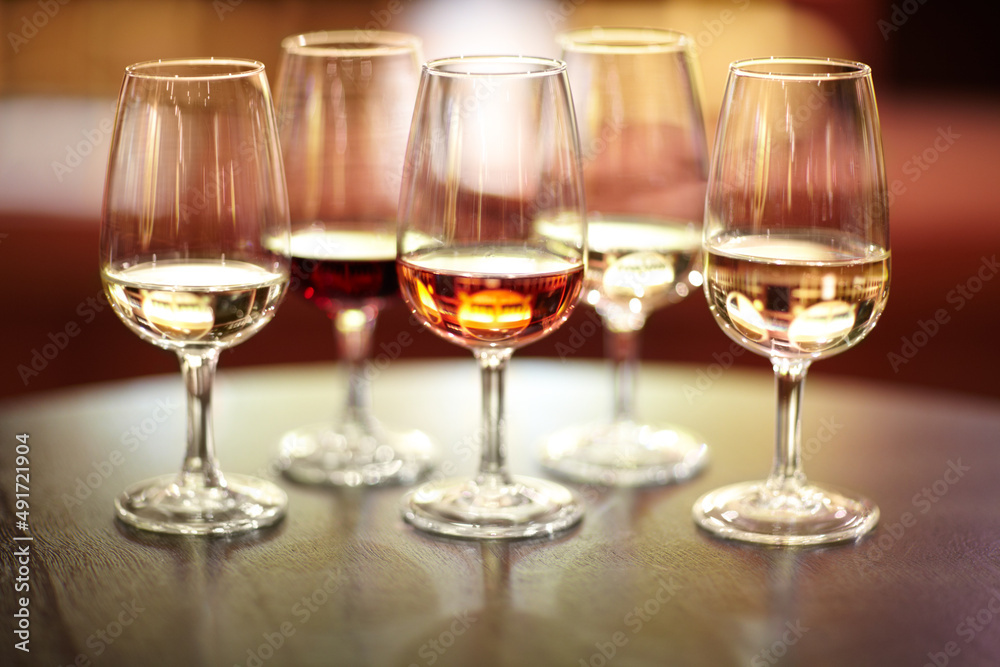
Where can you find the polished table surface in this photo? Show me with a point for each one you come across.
(343, 581)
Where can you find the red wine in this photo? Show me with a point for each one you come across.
(333, 268)
(497, 297)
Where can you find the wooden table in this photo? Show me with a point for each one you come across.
(342, 581)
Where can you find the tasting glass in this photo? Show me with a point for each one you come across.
(492, 249)
(193, 256)
(796, 266)
(645, 165)
(345, 99)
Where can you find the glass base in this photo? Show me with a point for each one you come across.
(625, 454)
(481, 508)
(320, 454)
(807, 514)
(182, 505)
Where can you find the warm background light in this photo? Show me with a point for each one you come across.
(60, 72)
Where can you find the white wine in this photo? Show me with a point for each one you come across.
(183, 303)
(639, 265)
(793, 296)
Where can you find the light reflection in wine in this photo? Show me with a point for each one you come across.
(746, 317)
(426, 303)
(494, 314)
(636, 273)
(822, 325)
(178, 313)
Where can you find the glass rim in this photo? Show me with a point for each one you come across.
(849, 69)
(624, 40)
(545, 66)
(348, 43)
(246, 67)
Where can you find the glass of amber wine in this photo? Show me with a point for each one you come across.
(491, 256)
(345, 99)
(796, 266)
(194, 259)
(645, 170)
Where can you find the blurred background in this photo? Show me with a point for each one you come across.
(61, 64)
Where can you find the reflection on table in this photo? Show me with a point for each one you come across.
(343, 581)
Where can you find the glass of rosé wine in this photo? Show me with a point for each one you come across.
(491, 256)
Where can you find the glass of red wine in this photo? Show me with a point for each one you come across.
(345, 99)
(492, 249)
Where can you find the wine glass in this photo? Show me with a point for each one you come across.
(194, 242)
(645, 169)
(345, 99)
(492, 249)
(796, 266)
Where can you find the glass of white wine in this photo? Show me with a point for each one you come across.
(194, 259)
(796, 266)
(491, 256)
(638, 102)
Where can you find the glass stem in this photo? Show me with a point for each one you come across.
(354, 329)
(623, 349)
(493, 462)
(790, 376)
(200, 468)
